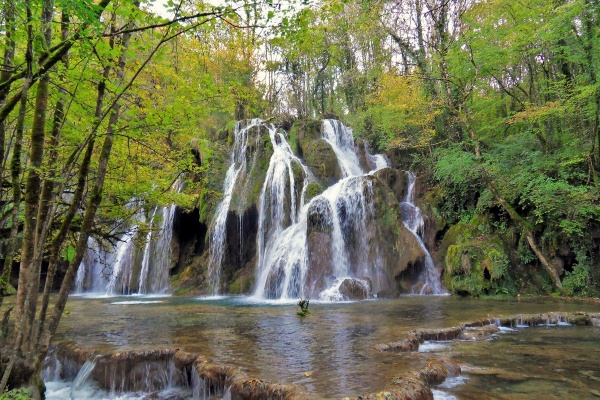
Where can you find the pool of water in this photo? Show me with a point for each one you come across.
(329, 353)
(554, 362)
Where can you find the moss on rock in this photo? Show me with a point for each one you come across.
(476, 260)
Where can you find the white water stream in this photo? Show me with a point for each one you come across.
(283, 251)
(413, 220)
(112, 270)
(218, 233)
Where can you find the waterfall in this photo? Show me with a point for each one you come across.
(238, 164)
(143, 281)
(317, 248)
(413, 220)
(156, 260)
(279, 184)
(118, 270)
(83, 375)
(120, 278)
(343, 208)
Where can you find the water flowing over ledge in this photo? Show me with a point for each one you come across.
(330, 235)
(175, 374)
(128, 268)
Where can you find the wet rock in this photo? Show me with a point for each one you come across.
(434, 373)
(322, 161)
(481, 333)
(441, 334)
(256, 389)
(355, 289)
(451, 366)
(395, 179)
(581, 319)
(411, 387)
(395, 247)
(410, 343)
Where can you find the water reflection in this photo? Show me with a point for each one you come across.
(328, 353)
(538, 362)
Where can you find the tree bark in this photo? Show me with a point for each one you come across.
(75, 205)
(14, 355)
(15, 169)
(46, 214)
(527, 230)
(33, 191)
(92, 207)
(9, 55)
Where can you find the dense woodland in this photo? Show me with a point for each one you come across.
(495, 104)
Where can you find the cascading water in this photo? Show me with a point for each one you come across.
(285, 268)
(413, 220)
(324, 246)
(118, 270)
(83, 375)
(154, 274)
(120, 278)
(239, 163)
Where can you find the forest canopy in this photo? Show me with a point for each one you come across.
(104, 105)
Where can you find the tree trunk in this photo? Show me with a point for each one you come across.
(84, 168)
(45, 213)
(15, 169)
(33, 192)
(527, 230)
(14, 355)
(92, 207)
(9, 55)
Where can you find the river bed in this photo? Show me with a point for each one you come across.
(330, 353)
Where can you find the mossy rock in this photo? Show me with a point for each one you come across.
(242, 283)
(302, 132)
(476, 263)
(431, 205)
(322, 161)
(395, 179)
(313, 189)
(192, 278)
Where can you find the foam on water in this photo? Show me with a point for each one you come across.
(429, 346)
(133, 302)
(440, 395)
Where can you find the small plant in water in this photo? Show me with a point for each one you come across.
(303, 304)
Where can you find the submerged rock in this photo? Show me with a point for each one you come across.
(481, 333)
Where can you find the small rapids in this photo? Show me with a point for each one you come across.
(414, 222)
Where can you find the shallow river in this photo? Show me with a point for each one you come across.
(330, 352)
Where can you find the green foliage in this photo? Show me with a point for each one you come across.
(68, 253)
(477, 261)
(577, 282)
(397, 114)
(16, 394)
(303, 304)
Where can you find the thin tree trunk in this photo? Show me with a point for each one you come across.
(15, 168)
(35, 203)
(17, 334)
(29, 56)
(60, 237)
(45, 213)
(527, 230)
(9, 54)
(91, 208)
